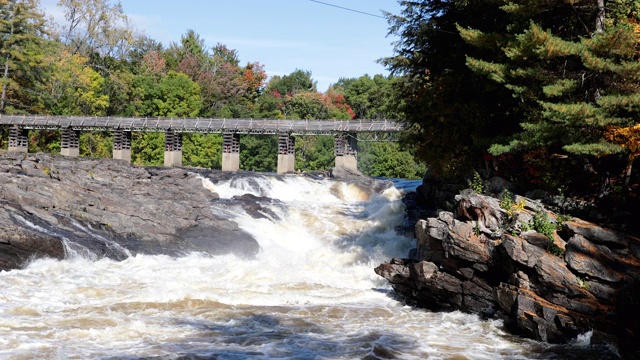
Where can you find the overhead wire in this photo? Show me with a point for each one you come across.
(370, 14)
(348, 9)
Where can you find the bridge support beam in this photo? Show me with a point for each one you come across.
(69, 142)
(172, 148)
(286, 153)
(346, 151)
(230, 151)
(122, 145)
(18, 140)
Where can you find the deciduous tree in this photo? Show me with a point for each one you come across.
(96, 27)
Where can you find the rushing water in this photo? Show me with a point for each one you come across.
(310, 293)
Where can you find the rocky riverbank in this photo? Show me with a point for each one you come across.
(111, 208)
(59, 207)
(550, 277)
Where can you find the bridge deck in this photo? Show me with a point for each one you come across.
(241, 126)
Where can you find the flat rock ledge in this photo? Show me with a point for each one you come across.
(587, 279)
(107, 208)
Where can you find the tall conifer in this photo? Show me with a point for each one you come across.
(453, 113)
(575, 65)
(22, 27)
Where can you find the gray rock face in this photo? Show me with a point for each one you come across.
(458, 265)
(45, 199)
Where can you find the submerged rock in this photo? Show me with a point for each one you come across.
(96, 202)
(586, 279)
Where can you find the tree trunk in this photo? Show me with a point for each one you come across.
(627, 172)
(6, 66)
(600, 17)
(4, 86)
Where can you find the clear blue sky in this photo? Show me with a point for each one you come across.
(282, 35)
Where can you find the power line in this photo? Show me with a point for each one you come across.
(348, 9)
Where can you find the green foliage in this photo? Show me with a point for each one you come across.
(562, 218)
(147, 148)
(258, 153)
(554, 249)
(509, 203)
(370, 98)
(179, 97)
(387, 160)
(44, 141)
(583, 283)
(314, 153)
(22, 29)
(542, 224)
(96, 144)
(575, 75)
(453, 113)
(71, 86)
(296, 82)
(307, 106)
(202, 150)
(476, 183)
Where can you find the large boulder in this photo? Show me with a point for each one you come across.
(47, 201)
(584, 279)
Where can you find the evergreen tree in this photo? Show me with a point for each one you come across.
(22, 28)
(452, 113)
(575, 67)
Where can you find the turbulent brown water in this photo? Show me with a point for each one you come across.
(310, 293)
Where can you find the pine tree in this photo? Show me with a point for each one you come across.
(453, 113)
(22, 27)
(574, 65)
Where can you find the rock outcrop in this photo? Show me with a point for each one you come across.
(109, 207)
(586, 278)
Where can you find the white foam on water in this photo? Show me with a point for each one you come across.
(309, 293)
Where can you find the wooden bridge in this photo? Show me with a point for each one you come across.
(346, 134)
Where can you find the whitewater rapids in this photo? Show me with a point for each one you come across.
(309, 293)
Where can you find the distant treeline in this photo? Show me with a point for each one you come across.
(96, 64)
(544, 93)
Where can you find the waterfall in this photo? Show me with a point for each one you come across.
(310, 292)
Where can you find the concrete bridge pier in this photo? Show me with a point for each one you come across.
(18, 140)
(69, 142)
(230, 151)
(346, 151)
(172, 148)
(122, 145)
(286, 153)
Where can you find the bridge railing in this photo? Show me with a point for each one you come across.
(247, 126)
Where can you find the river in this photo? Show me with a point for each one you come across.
(310, 293)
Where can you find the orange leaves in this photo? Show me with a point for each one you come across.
(154, 62)
(254, 76)
(627, 137)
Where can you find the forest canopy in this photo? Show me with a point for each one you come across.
(95, 63)
(544, 93)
